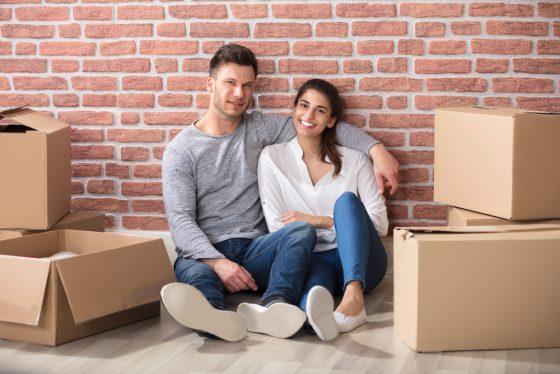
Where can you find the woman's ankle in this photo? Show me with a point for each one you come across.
(353, 300)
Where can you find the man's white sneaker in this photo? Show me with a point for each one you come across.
(347, 323)
(189, 307)
(280, 320)
(320, 306)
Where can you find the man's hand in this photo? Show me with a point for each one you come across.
(320, 222)
(385, 168)
(234, 277)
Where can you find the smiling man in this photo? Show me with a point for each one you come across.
(214, 211)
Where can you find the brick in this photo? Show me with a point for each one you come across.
(401, 120)
(39, 13)
(173, 133)
(536, 65)
(134, 154)
(411, 47)
(166, 65)
(147, 170)
(357, 66)
(431, 102)
(499, 10)
(414, 193)
(172, 29)
(550, 104)
(308, 67)
(282, 30)
(152, 12)
(356, 120)
(27, 31)
(122, 30)
(491, 65)
(64, 66)
(134, 136)
(169, 118)
(86, 170)
(413, 157)
(275, 101)
(556, 28)
(67, 49)
(23, 48)
(301, 11)
(66, 100)
(99, 100)
(425, 211)
(244, 11)
(93, 13)
(150, 206)
(322, 48)
(175, 100)
(202, 101)
(5, 48)
(113, 169)
(87, 118)
(101, 186)
(421, 138)
(70, 31)
(389, 138)
(271, 84)
(497, 101)
(466, 28)
(130, 118)
(516, 28)
(362, 102)
(379, 28)
(501, 47)
(206, 11)
(121, 65)
(457, 84)
(414, 175)
(144, 223)
(266, 66)
(4, 84)
(375, 47)
(87, 135)
(94, 83)
(526, 85)
(210, 47)
(397, 102)
(141, 188)
(267, 48)
(195, 83)
(442, 66)
(92, 152)
(77, 188)
(391, 84)
(392, 65)
(21, 1)
(39, 83)
(5, 14)
(447, 47)
(142, 83)
(397, 211)
(117, 48)
(32, 100)
(168, 47)
(364, 10)
(428, 29)
(549, 9)
(548, 47)
(431, 10)
(100, 204)
(338, 29)
(219, 30)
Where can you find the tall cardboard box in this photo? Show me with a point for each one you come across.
(34, 168)
(113, 280)
(458, 217)
(471, 288)
(498, 161)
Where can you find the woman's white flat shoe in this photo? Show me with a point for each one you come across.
(347, 323)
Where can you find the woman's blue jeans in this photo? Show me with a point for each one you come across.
(279, 262)
(360, 255)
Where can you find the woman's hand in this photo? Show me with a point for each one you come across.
(320, 222)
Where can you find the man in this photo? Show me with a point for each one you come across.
(215, 217)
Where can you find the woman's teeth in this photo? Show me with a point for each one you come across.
(307, 124)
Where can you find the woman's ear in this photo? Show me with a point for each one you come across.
(331, 122)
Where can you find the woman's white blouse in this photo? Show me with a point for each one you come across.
(285, 186)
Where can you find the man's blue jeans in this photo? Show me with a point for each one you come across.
(279, 262)
(360, 254)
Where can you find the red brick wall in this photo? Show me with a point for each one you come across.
(129, 77)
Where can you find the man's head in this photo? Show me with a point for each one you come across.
(235, 54)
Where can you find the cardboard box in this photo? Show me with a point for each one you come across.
(471, 288)
(78, 220)
(114, 280)
(498, 161)
(458, 217)
(35, 170)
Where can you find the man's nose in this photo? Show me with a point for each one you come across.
(238, 90)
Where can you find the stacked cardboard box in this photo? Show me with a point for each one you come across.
(492, 283)
(106, 280)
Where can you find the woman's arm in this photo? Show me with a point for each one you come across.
(270, 192)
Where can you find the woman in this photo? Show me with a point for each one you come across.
(313, 179)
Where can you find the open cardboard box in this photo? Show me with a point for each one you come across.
(34, 169)
(471, 288)
(498, 161)
(458, 217)
(113, 280)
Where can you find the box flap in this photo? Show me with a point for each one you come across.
(101, 283)
(22, 288)
(10, 234)
(408, 232)
(35, 120)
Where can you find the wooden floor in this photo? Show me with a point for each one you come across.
(160, 345)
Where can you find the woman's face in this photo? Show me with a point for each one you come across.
(312, 114)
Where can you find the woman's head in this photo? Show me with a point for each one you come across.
(328, 92)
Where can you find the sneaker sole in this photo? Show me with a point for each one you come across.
(280, 320)
(188, 306)
(320, 307)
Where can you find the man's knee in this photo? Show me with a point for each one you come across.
(195, 272)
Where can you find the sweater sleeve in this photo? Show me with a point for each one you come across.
(371, 197)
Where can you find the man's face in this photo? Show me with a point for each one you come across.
(231, 90)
